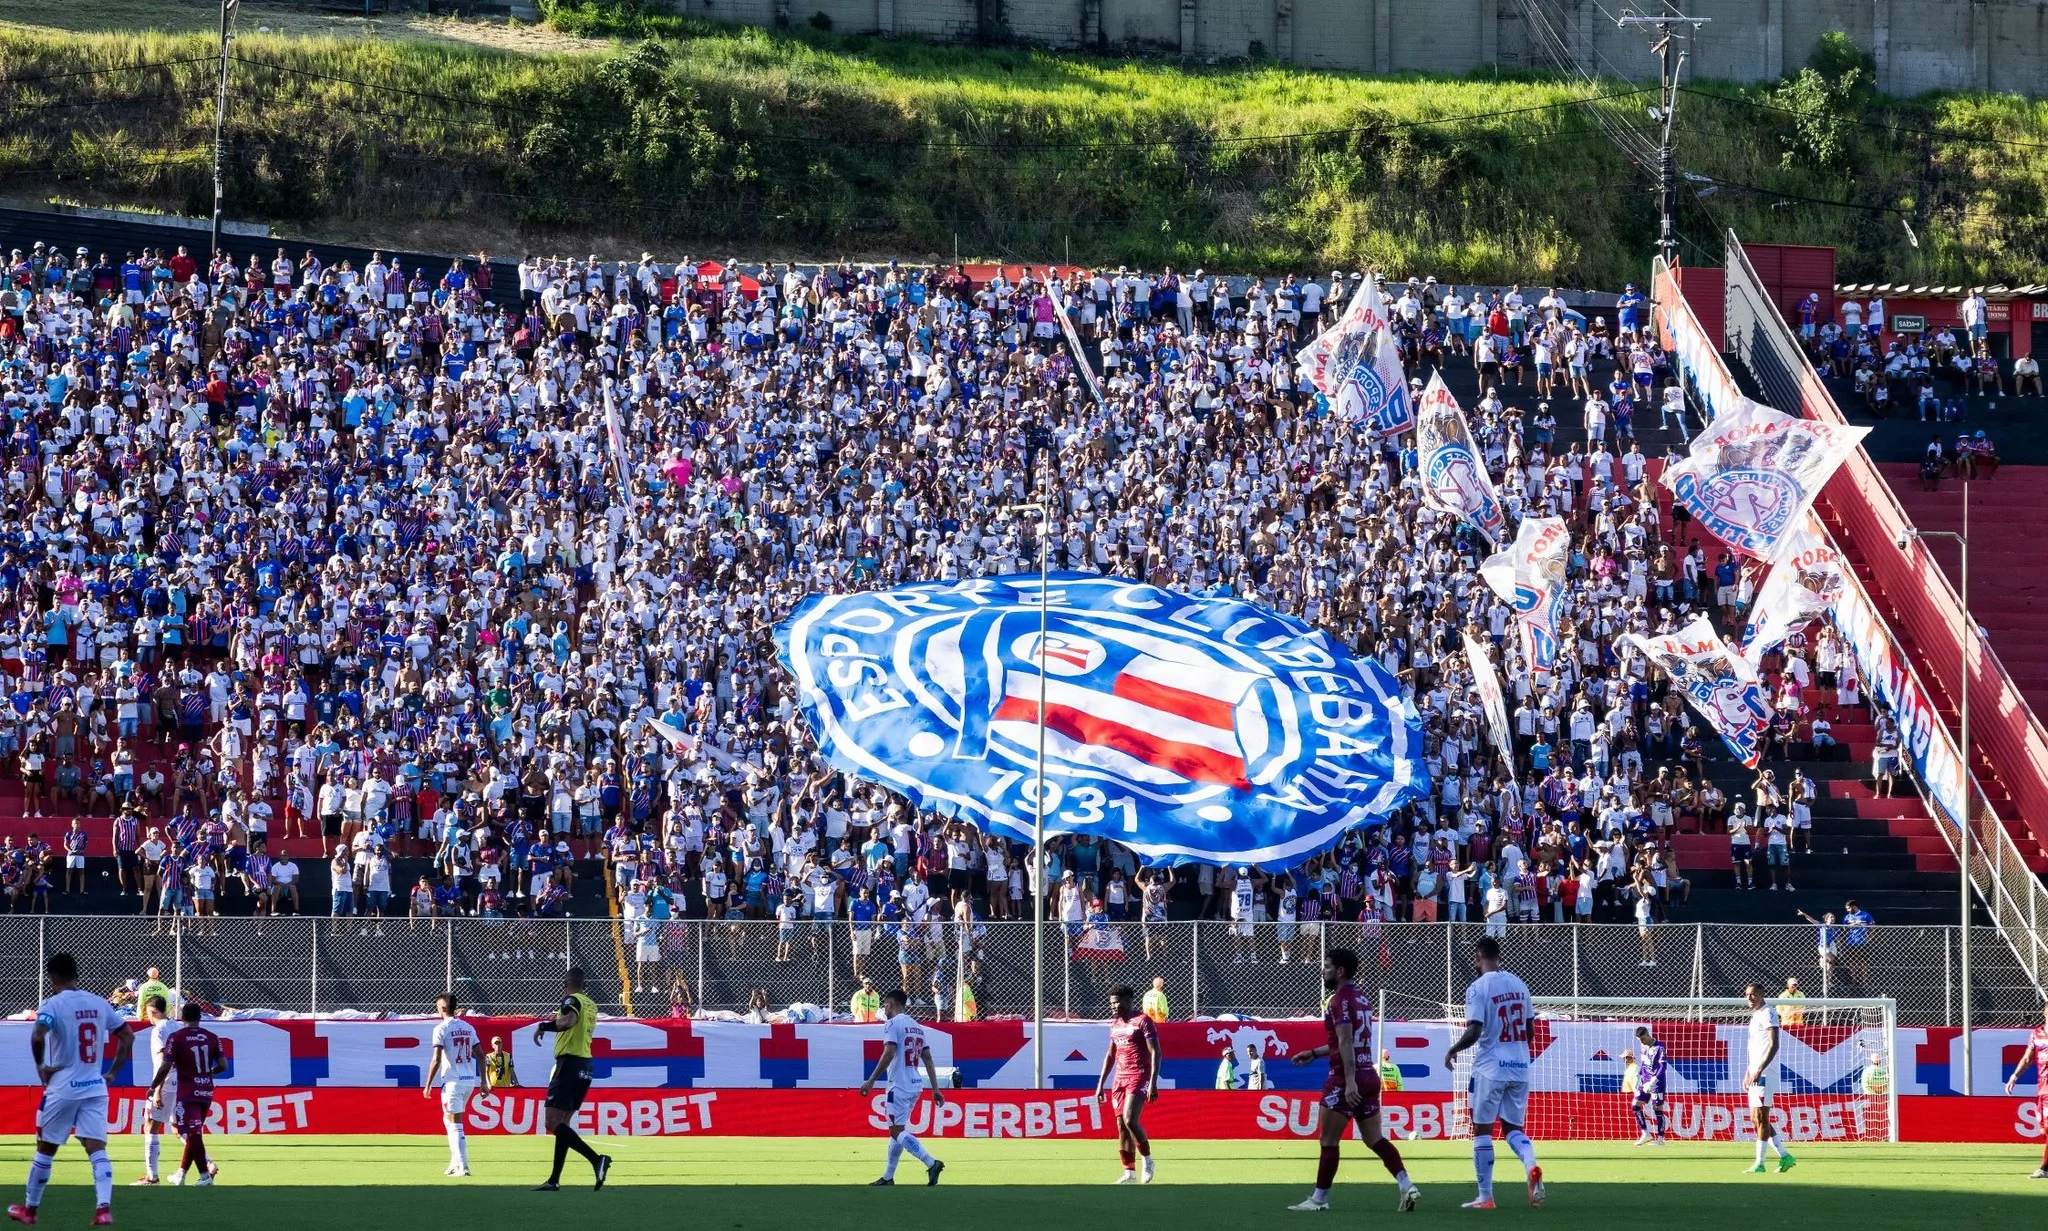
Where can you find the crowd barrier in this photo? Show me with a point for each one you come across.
(1249, 1115)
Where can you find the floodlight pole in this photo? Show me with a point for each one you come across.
(1669, 67)
(1044, 512)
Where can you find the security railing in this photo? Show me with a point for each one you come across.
(1209, 968)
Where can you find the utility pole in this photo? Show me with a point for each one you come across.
(220, 126)
(1670, 64)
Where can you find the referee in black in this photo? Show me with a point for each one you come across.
(569, 1083)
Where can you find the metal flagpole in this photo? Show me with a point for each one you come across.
(1038, 806)
(220, 123)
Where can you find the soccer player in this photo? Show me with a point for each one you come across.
(156, 1015)
(2037, 1051)
(903, 1053)
(1133, 1057)
(1498, 1014)
(196, 1056)
(569, 1083)
(1762, 1078)
(454, 1062)
(69, 1043)
(1351, 1093)
(1651, 1116)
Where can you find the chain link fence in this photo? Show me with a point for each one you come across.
(646, 967)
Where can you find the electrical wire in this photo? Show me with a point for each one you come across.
(107, 70)
(1878, 125)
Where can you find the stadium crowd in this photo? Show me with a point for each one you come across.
(334, 563)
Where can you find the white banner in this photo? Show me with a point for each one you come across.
(1718, 681)
(1492, 700)
(1753, 474)
(1454, 478)
(1088, 376)
(1334, 352)
(1806, 584)
(1529, 575)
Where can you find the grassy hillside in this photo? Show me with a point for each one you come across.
(728, 138)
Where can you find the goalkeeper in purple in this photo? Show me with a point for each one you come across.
(1651, 1115)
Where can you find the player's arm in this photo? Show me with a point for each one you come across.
(1347, 1052)
(163, 1072)
(1464, 1040)
(433, 1070)
(36, 1040)
(2026, 1058)
(1152, 1077)
(124, 1044)
(881, 1067)
(931, 1077)
(562, 1020)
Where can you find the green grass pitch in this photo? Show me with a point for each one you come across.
(395, 1184)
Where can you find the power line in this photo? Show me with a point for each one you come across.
(107, 70)
(1793, 196)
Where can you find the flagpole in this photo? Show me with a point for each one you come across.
(1038, 806)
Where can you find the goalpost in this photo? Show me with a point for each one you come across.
(1836, 1068)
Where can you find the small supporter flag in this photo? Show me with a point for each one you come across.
(1528, 574)
(1804, 585)
(1718, 682)
(1750, 478)
(1354, 365)
(1454, 478)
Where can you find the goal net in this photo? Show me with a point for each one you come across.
(1833, 1072)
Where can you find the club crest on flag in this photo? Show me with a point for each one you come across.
(1719, 682)
(1747, 509)
(1203, 729)
(1362, 393)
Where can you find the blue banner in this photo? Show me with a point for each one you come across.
(1188, 729)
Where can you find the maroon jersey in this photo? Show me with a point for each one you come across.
(1134, 1041)
(194, 1052)
(1349, 1013)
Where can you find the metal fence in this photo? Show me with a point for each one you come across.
(644, 967)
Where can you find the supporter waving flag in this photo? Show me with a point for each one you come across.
(1454, 478)
(1186, 728)
(1803, 586)
(1491, 699)
(1718, 681)
(1528, 574)
(1354, 365)
(1753, 474)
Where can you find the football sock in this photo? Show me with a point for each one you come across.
(1145, 1146)
(1482, 1164)
(102, 1177)
(1390, 1158)
(895, 1156)
(1760, 1151)
(38, 1179)
(1663, 1122)
(562, 1155)
(195, 1148)
(152, 1153)
(916, 1149)
(567, 1138)
(1642, 1121)
(1778, 1147)
(458, 1145)
(1524, 1149)
(1130, 1158)
(1326, 1169)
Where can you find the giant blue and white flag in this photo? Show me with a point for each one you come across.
(1354, 365)
(1528, 574)
(1454, 478)
(1188, 729)
(1804, 585)
(1718, 681)
(1752, 475)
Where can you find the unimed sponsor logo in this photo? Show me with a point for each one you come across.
(1056, 1117)
(669, 1116)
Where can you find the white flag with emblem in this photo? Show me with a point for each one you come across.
(1454, 478)
(1754, 472)
(1804, 585)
